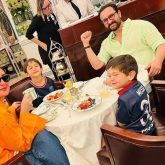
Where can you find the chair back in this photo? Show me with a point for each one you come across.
(161, 75)
(18, 159)
(130, 148)
(16, 90)
(158, 90)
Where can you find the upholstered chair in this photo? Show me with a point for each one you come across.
(16, 90)
(124, 147)
(17, 159)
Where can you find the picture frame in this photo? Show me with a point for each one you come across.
(4, 59)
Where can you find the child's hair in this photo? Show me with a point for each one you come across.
(30, 60)
(125, 64)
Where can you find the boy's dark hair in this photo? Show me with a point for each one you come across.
(30, 60)
(125, 64)
(108, 5)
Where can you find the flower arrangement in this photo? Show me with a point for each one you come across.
(21, 13)
(18, 6)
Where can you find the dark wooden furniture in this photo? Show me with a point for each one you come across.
(158, 90)
(161, 75)
(151, 10)
(124, 147)
(103, 157)
(16, 90)
(75, 51)
(19, 158)
(130, 148)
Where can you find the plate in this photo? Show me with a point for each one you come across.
(53, 96)
(41, 109)
(94, 101)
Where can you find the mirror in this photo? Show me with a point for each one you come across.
(6, 30)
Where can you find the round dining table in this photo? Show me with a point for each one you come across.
(79, 131)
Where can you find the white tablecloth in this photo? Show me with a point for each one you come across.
(80, 134)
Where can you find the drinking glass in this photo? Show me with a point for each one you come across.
(68, 100)
(68, 84)
(104, 90)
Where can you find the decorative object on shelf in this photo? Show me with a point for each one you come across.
(18, 53)
(9, 69)
(61, 67)
(11, 40)
(60, 62)
(56, 55)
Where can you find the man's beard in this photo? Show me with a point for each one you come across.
(116, 25)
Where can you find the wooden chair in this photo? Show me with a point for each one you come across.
(124, 147)
(161, 75)
(158, 93)
(16, 90)
(158, 90)
(17, 159)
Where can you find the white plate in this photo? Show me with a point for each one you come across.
(53, 93)
(41, 109)
(77, 103)
(78, 84)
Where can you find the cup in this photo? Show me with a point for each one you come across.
(104, 91)
(69, 84)
(31, 92)
(75, 93)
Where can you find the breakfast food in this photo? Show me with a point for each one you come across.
(87, 103)
(55, 96)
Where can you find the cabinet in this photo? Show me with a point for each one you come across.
(12, 56)
(61, 64)
(12, 59)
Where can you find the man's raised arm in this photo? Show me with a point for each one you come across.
(94, 61)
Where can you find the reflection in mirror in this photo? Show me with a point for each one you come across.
(6, 30)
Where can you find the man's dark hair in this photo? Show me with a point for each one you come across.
(28, 61)
(108, 5)
(125, 63)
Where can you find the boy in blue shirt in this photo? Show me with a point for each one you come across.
(42, 85)
(134, 111)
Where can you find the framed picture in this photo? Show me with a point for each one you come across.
(4, 60)
(16, 48)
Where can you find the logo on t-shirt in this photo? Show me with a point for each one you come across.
(51, 88)
(140, 90)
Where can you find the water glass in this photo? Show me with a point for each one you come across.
(68, 100)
